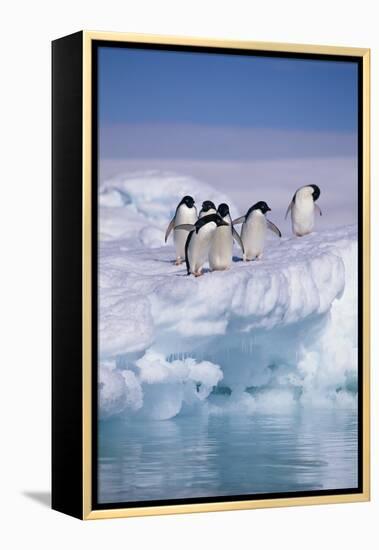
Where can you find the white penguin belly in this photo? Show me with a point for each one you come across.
(221, 249)
(302, 215)
(198, 248)
(180, 238)
(253, 236)
(184, 215)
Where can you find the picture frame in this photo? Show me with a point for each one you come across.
(76, 169)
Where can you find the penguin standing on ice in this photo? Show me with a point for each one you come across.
(254, 229)
(303, 207)
(221, 249)
(208, 207)
(199, 241)
(185, 213)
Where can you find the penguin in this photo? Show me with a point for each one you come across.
(199, 241)
(303, 207)
(208, 207)
(221, 249)
(185, 213)
(254, 229)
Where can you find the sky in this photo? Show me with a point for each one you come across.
(220, 118)
(154, 103)
(140, 86)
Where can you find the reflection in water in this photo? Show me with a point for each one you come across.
(202, 456)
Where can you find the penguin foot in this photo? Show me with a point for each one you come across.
(178, 261)
(198, 273)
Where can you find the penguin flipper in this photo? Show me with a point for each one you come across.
(289, 208)
(186, 227)
(169, 229)
(186, 252)
(291, 204)
(273, 228)
(239, 220)
(238, 240)
(318, 209)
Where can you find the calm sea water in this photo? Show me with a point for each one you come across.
(226, 455)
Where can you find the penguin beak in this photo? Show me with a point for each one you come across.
(268, 209)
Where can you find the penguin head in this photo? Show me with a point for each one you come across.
(188, 201)
(316, 192)
(261, 205)
(219, 221)
(208, 205)
(209, 218)
(223, 209)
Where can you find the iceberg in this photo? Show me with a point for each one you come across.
(266, 335)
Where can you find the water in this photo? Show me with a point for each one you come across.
(201, 456)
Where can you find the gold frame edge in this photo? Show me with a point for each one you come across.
(366, 227)
(225, 43)
(88, 513)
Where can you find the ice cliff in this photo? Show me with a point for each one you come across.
(264, 336)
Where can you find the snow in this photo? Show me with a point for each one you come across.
(276, 333)
(138, 206)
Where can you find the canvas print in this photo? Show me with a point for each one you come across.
(228, 310)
